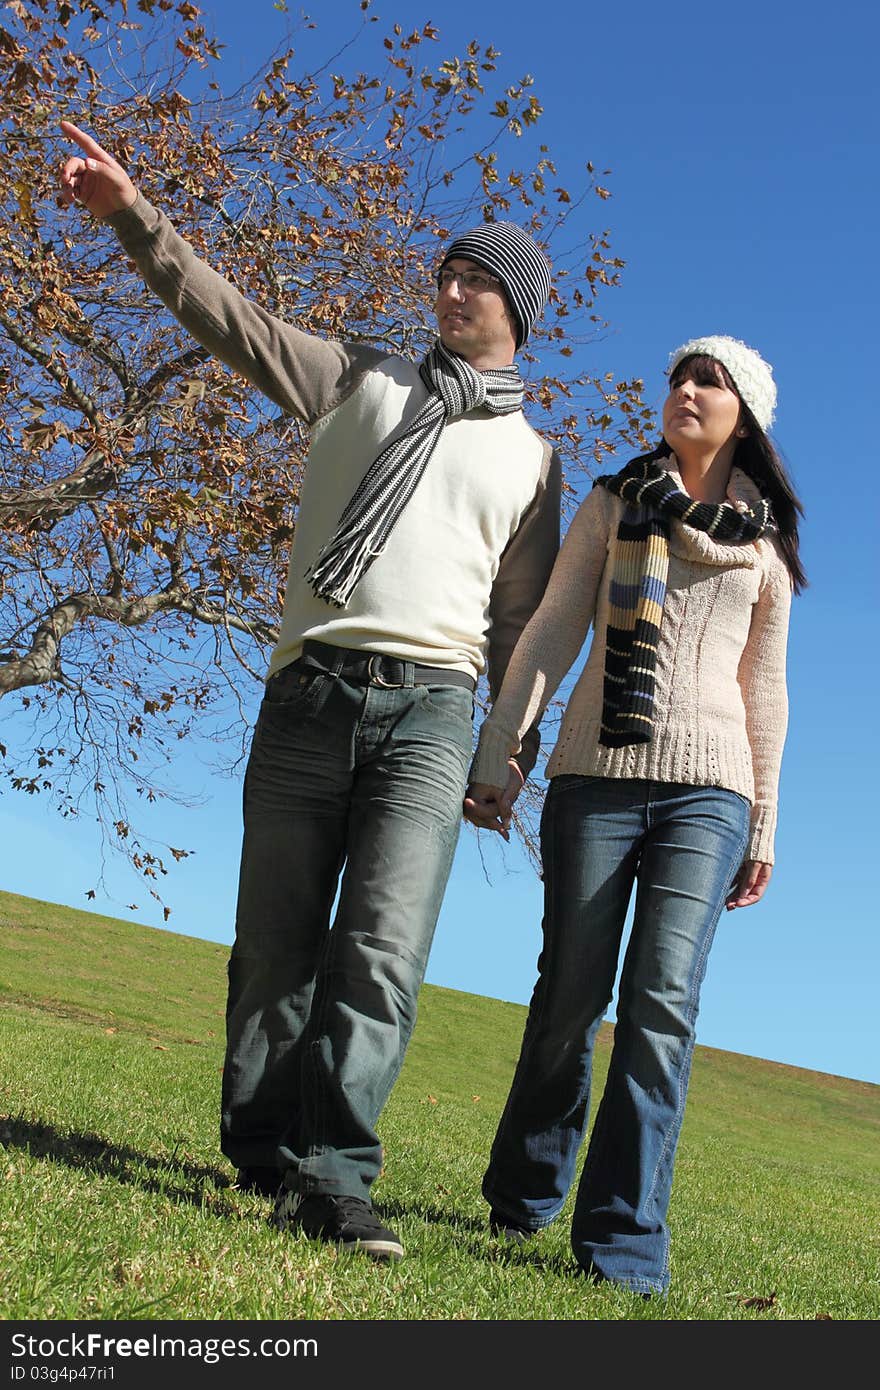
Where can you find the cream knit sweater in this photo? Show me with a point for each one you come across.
(721, 706)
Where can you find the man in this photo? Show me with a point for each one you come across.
(426, 532)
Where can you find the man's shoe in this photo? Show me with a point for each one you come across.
(504, 1229)
(348, 1222)
(266, 1181)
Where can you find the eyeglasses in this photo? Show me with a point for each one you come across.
(473, 280)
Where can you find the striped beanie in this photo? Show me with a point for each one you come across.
(505, 250)
(752, 376)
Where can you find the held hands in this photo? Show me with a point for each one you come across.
(97, 182)
(489, 808)
(749, 885)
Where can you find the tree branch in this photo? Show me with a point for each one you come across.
(42, 662)
(87, 482)
(66, 382)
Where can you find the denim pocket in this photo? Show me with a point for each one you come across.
(572, 781)
(292, 688)
(739, 796)
(451, 702)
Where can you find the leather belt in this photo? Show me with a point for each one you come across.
(374, 668)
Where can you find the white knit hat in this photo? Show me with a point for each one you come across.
(751, 374)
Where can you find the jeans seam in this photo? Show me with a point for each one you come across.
(546, 820)
(685, 1068)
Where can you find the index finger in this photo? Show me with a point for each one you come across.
(86, 143)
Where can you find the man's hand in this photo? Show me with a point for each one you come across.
(96, 182)
(749, 885)
(489, 808)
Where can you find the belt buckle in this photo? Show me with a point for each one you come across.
(376, 677)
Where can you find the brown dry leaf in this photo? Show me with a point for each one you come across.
(759, 1300)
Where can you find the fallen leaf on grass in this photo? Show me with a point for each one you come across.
(759, 1301)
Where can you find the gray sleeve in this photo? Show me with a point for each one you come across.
(519, 585)
(301, 373)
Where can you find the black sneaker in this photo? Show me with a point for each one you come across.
(266, 1181)
(503, 1228)
(348, 1222)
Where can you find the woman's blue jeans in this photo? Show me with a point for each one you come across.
(356, 788)
(682, 845)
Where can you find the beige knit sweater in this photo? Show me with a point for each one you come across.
(721, 706)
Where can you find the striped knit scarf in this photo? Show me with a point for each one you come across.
(455, 388)
(638, 586)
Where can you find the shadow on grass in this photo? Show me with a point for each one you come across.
(477, 1240)
(182, 1181)
(171, 1177)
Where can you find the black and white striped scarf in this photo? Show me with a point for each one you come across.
(455, 388)
(638, 585)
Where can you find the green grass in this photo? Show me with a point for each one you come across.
(116, 1203)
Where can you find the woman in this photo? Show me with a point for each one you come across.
(664, 774)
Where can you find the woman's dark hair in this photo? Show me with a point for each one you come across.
(757, 457)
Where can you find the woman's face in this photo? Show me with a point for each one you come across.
(700, 415)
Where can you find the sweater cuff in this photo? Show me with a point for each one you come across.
(527, 756)
(490, 764)
(763, 829)
(134, 222)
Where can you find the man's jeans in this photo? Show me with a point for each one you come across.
(369, 780)
(684, 845)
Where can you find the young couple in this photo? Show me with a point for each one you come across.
(426, 552)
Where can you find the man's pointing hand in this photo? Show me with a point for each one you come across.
(96, 182)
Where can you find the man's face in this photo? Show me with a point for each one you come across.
(476, 321)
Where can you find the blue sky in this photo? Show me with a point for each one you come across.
(743, 152)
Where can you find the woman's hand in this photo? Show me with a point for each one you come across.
(749, 885)
(96, 182)
(488, 807)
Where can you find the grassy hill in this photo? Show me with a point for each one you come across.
(116, 1203)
